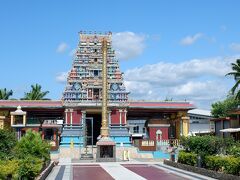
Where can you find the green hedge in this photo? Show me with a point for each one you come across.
(9, 169)
(206, 145)
(30, 167)
(187, 158)
(226, 164)
(234, 150)
(27, 168)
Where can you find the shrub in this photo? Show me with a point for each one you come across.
(8, 141)
(206, 145)
(232, 165)
(9, 169)
(187, 158)
(226, 164)
(215, 163)
(29, 167)
(32, 145)
(234, 150)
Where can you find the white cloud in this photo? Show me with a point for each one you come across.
(170, 73)
(62, 77)
(189, 40)
(62, 47)
(128, 44)
(235, 47)
(200, 80)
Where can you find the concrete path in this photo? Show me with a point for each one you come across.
(118, 172)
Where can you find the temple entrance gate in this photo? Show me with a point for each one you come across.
(93, 125)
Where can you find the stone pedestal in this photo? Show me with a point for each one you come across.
(106, 150)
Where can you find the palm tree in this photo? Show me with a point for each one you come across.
(36, 93)
(236, 74)
(5, 94)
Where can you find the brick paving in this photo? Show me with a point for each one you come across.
(151, 173)
(119, 171)
(90, 172)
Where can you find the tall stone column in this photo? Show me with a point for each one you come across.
(104, 128)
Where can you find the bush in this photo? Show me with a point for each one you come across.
(32, 145)
(234, 150)
(8, 141)
(206, 145)
(226, 164)
(215, 163)
(9, 169)
(30, 167)
(187, 158)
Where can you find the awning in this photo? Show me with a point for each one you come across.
(230, 130)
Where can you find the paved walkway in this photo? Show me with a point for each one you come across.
(120, 170)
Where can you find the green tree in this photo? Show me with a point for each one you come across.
(29, 167)
(223, 108)
(236, 74)
(5, 94)
(8, 141)
(32, 145)
(35, 93)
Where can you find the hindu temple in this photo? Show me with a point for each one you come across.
(73, 123)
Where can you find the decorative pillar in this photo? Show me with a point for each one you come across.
(104, 128)
(109, 118)
(83, 116)
(66, 116)
(12, 120)
(178, 128)
(71, 118)
(120, 116)
(24, 119)
(2, 122)
(185, 126)
(125, 116)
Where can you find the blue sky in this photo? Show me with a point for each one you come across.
(182, 48)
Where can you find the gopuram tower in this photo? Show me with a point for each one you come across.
(82, 97)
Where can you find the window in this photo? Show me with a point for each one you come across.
(95, 59)
(95, 73)
(144, 130)
(136, 129)
(48, 134)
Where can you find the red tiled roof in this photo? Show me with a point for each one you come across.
(34, 103)
(163, 105)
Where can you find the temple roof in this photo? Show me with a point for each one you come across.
(161, 105)
(132, 104)
(31, 103)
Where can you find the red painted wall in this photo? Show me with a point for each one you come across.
(68, 118)
(153, 130)
(115, 117)
(76, 115)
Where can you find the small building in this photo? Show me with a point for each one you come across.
(228, 126)
(200, 122)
